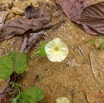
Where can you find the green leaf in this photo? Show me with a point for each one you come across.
(12, 62)
(14, 100)
(19, 62)
(91, 41)
(41, 51)
(6, 68)
(102, 46)
(101, 40)
(40, 78)
(31, 95)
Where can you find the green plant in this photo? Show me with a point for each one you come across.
(12, 62)
(16, 88)
(91, 41)
(41, 51)
(101, 41)
(31, 95)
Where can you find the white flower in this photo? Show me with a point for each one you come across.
(56, 50)
(62, 100)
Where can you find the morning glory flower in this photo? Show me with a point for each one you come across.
(62, 100)
(56, 50)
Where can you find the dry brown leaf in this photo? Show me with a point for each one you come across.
(38, 20)
(73, 8)
(92, 19)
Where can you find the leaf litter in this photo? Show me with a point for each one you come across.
(36, 20)
(41, 22)
(31, 27)
(92, 19)
(73, 8)
(90, 16)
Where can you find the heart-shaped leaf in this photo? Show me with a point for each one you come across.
(13, 62)
(31, 95)
(19, 62)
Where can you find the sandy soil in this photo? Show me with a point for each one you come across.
(73, 78)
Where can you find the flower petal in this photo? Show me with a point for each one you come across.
(62, 100)
(56, 55)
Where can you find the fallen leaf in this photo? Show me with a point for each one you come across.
(92, 19)
(28, 42)
(72, 63)
(39, 20)
(73, 8)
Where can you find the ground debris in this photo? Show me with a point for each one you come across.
(90, 16)
(36, 20)
(4, 91)
(80, 50)
(3, 15)
(73, 8)
(72, 63)
(29, 42)
(86, 97)
(92, 19)
(19, 26)
(92, 67)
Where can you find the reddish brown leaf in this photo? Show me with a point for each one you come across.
(92, 19)
(36, 19)
(73, 8)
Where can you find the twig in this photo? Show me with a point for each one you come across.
(24, 44)
(2, 94)
(29, 42)
(80, 50)
(92, 67)
(5, 86)
(73, 95)
(5, 92)
(86, 97)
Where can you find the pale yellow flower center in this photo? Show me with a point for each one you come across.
(56, 48)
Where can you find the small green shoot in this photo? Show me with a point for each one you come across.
(41, 51)
(16, 88)
(91, 41)
(101, 41)
(14, 100)
(102, 46)
(40, 78)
